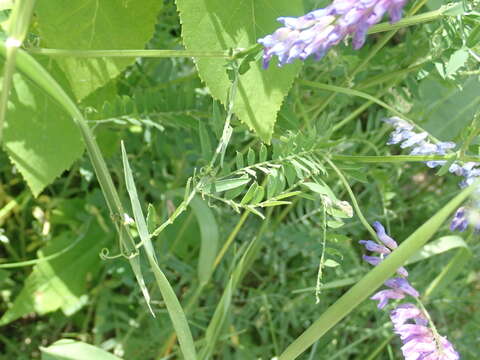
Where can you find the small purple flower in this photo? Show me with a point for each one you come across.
(382, 235)
(459, 221)
(373, 246)
(414, 139)
(402, 284)
(404, 312)
(375, 260)
(384, 295)
(399, 288)
(317, 31)
(380, 249)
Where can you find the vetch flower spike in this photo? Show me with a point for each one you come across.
(380, 249)
(317, 31)
(412, 323)
(382, 235)
(470, 171)
(420, 341)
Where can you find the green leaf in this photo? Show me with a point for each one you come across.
(439, 246)
(263, 153)
(450, 270)
(320, 189)
(456, 61)
(270, 203)
(331, 263)
(233, 193)
(209, 235)
(446, 109)
(151, 218)
(290, 174)
(273, 183)
(40, 138)
(286, 195)
(224, 185)
(205, 143)
(239, 160)
(141, 225)
(249, 194)
(474, 37)
(250, 157)
(90, 25)
(258, 196)
(60, 283)
(216, 25)
(67, 349)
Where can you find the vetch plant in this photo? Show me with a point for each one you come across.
(167, 194)
(412, 323)
(420, 144)
(317, 31)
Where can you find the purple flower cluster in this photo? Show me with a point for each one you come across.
(470, 171)
(399, 286)
(317, 31)
(420, 341)
(407, 138)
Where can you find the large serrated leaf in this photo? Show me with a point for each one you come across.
(40, 138)
(93, 24)
(218, 25)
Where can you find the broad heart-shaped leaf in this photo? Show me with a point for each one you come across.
(61, 282)
(95, 24)
(220, 25)
(67, 349)
(40, 138)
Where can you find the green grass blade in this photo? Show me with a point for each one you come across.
(174, 308)
(373, 280)
(209, 235)
(136, 206)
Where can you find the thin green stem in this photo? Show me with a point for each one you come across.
(230, 238)
(396, 75)
(318, 286)
(359, 212)
(348, 91)
(413, 20)
(46, 258)
(129, 53)
(403, 158)
(431, 324)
